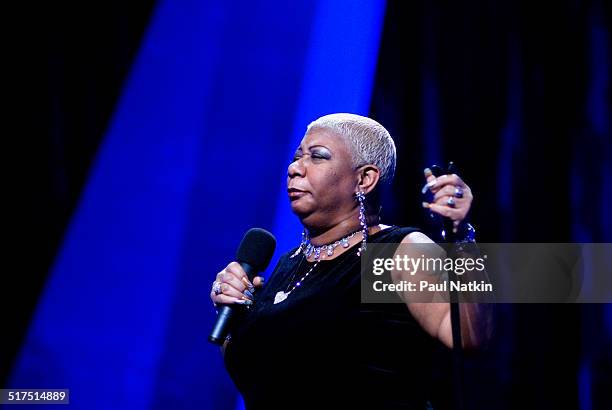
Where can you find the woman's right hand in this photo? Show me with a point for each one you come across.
(234, 286)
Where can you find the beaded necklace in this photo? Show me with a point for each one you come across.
(308, 249)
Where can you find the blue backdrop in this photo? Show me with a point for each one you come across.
(217, 99)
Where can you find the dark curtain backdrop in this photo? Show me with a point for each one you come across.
(517, 93)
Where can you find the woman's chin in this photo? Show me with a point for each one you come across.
(297, 209)
(300, 209)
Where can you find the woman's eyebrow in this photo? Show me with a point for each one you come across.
(299, 149)
(318, 146)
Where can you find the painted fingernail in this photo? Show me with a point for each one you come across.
(248, 284)
(245, 302)
(248, 294)
(427, 172)
(425, 204)
(428, 186)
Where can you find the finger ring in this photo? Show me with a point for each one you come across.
(216, 287)
(458, 192)
(451, 201)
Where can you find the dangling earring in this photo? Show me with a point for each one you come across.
(362, 221)
(305, 242)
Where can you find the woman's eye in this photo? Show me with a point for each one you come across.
(314, 155)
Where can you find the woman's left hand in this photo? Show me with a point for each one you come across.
(452, 197)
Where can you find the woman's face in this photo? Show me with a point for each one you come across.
(321, 180)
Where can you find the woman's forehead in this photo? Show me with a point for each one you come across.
(325, 138)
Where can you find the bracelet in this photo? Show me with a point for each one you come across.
(466, 234)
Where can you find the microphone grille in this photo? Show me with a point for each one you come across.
(256, 248)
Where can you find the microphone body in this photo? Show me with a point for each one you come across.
(253, 255)
(227, 313)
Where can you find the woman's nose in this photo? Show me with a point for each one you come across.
(295, 169)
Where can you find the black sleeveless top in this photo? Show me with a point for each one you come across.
(322, 347)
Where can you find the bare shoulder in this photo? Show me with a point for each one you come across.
(417, 237)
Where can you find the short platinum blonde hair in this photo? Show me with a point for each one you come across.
(369, 142)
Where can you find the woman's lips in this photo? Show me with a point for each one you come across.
(295, 193)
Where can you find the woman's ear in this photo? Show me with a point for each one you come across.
(368, 178)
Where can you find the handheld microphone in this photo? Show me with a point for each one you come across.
(254, 255)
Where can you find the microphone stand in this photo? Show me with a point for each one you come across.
(449, 237)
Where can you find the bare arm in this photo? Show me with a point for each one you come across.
(435, 318)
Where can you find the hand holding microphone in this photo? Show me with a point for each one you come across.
(234, 286)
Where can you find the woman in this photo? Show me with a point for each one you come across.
(307, 340)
